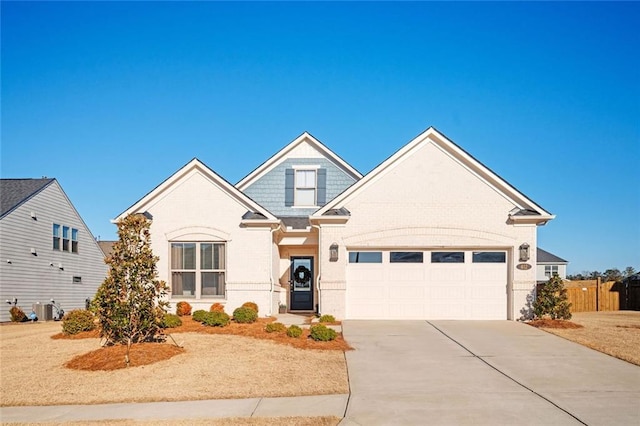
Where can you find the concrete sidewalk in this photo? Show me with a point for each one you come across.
(308, 406)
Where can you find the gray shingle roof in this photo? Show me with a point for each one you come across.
(296, 222)
(546, 257)
(14, 192)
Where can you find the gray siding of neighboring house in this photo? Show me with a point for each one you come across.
(540, 275)
(31, 278)
(269, 190)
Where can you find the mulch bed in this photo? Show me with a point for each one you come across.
(111, 358)
(549, 323)
(93, 334)
(256, 330)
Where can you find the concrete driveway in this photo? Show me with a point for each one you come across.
(482, 373)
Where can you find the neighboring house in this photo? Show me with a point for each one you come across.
(46, 249)
(430, 233)
(549, 264)
(106, 247)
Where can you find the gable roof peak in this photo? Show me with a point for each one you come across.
(432, 136)
(283, 154)
(199, 166)
(15, 192)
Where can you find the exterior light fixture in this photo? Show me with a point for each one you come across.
(333, 252)
(524, 252)
(60, 266)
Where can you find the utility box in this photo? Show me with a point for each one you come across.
(44, 311)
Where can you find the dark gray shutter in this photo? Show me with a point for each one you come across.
(322, 187)
(289, 179)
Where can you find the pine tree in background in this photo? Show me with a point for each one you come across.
(552, 300)
(129, 303)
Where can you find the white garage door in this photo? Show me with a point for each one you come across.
(427, 285)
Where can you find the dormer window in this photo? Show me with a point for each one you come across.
(305, 186)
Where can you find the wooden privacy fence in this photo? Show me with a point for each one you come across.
(591, 296)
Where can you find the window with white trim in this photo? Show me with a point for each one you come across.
(550, 270)
(56, 236)
(198, 270)
(74, 240)
(67, 240)
(305, 187)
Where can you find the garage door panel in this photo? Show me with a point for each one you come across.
(407, 292)
(427, 290)
(450, 273)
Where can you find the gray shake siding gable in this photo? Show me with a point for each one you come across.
(269, 190)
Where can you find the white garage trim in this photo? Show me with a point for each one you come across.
(447, 284)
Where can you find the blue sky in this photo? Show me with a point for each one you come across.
(112, 98)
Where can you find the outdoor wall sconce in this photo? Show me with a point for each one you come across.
(60, 266)
(524, 252)
(333, 252)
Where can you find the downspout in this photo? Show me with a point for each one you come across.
(272, 284)
(319, 269)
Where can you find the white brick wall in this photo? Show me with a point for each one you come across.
(196, 209)
(428, 200)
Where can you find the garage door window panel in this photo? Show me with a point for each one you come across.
(406, 257)
(365, 257)
(447, 257)
(489, 257)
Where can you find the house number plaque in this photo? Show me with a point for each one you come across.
(523, 266)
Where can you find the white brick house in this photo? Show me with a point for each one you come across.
(430, 233)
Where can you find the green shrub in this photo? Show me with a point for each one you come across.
(217, 307)
(552, 300)
(77, 321)
(275, 327)
(245, 315)
(199, 315)
(322, 333)
(17, 314)
(183, 309)
(251, 305)
(327, 318)
(171, 321)
(294, 331)
(215, 319)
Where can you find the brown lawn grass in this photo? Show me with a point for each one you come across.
(211, 366)
(616, 333)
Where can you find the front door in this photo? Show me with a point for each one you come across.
(301, 284)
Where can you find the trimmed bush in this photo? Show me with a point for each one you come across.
(327, 318)
(217, 307)
(183, 309)
(552, 300)
(199, 315)
(275, 327)
(171, 321)
(322, 333)
(17, 314)
(251, 305)
(216, 319)
(245, 315)
(294, 331)
(77, 321)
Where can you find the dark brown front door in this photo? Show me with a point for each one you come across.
(301, 284)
